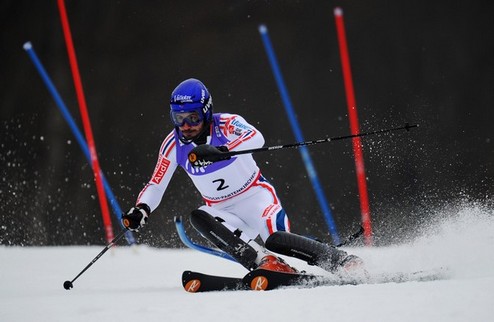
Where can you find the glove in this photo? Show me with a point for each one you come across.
(205, 154)
(136, 217)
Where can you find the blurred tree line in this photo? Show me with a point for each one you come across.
(422, 62)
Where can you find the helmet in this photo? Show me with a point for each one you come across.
(191, 96)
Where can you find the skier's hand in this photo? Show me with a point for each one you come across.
(136, 217)
(205, 154)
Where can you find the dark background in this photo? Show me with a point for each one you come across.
(426, 62)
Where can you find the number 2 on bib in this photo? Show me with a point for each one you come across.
(221, 185)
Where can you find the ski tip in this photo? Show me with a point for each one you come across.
(263, 29)
(259, 283)
(27, 45)
(190, 283)
(338, 11)
(192, 286)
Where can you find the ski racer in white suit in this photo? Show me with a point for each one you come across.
(235, 193)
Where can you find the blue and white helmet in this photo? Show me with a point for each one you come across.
(191, 96)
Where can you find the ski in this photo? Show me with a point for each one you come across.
(259, 279)
(265, 280)
(416, 276)
(195, 282)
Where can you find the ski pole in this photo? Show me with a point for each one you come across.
(351, 237)
(193, 157)
(69, 284)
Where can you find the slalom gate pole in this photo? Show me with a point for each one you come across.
(75, 130)
(86, 121)
(323, 203)
(354, 126)
(70, 284)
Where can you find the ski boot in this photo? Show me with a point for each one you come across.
(274, 263)
(352, 268)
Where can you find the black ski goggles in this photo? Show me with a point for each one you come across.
(192, 118)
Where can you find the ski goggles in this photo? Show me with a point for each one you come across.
(192, 118)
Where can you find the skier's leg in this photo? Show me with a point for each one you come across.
(273, 225)
(226, 232)
(262, 213)
(311, 251)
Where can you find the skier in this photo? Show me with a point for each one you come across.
(240, 204)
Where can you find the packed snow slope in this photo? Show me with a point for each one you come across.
(143, 283)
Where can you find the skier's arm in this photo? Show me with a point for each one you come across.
(242, 135)
(166, 165)
(150, 197)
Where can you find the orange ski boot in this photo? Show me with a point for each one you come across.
(274, 263)
(353, 266)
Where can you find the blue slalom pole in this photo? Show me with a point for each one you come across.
(263, 30)
(75, 130)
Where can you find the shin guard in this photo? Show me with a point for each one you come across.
(212, 229)
(309, 250)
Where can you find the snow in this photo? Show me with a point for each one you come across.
(142, 283)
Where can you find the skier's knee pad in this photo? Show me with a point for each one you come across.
(226, 240)
(201, 221)
(210, 226)
(204, 222)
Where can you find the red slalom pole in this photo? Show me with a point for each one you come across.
(87, 124)
(354, 126)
